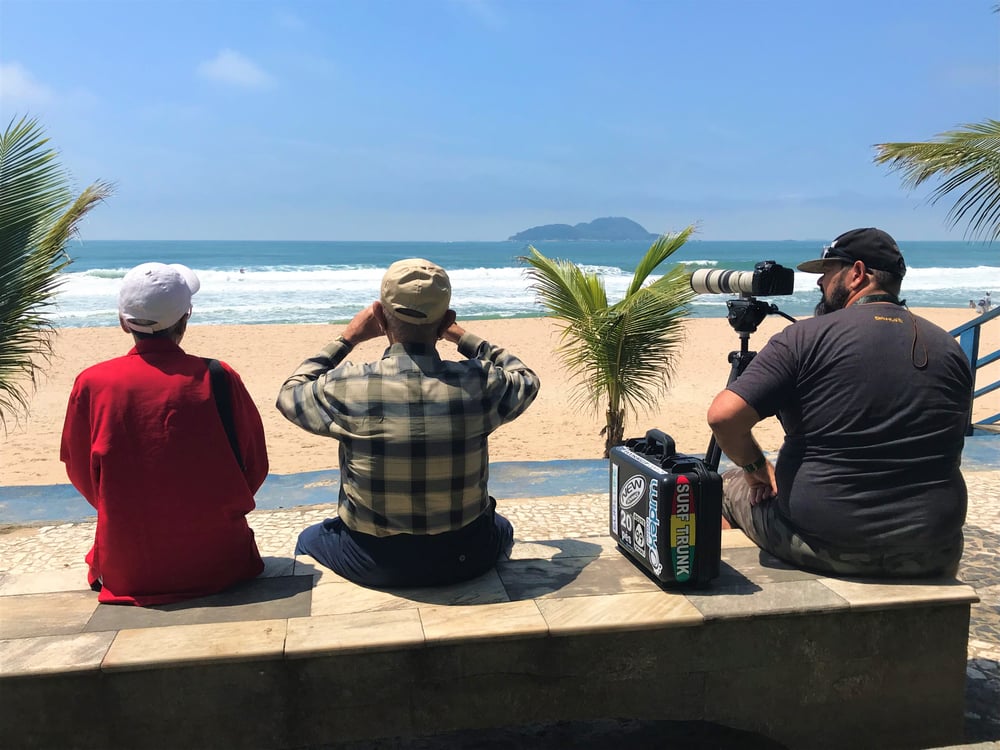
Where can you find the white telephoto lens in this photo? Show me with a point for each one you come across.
(722, 282)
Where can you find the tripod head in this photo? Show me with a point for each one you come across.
(746, 313)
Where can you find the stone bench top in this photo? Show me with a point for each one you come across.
(50, 623)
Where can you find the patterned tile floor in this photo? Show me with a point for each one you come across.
(981, 569)
(59, 548)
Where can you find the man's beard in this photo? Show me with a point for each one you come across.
(835, 299)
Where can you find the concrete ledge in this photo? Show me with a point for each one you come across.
(570, 630)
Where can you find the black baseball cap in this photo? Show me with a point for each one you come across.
(873, 247)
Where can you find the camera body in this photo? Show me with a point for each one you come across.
(767, 279)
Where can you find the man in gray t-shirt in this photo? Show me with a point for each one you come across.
(875, 402)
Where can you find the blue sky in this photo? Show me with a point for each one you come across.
(475, 119)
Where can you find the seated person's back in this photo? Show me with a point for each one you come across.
(144, 443)
(413, 432)
(874, 402)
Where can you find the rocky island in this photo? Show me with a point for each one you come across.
(608, 228)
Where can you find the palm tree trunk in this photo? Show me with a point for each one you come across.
(614, 430)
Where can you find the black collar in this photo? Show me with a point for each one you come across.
(879, 298)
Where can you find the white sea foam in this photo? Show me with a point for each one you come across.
(274, 294)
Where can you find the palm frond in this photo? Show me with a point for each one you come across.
(651, 333)
(563, 289)
(660, 250)
(38, 215)
(965, 159)
(66, 226)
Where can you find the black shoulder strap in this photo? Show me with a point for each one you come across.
(224, 403)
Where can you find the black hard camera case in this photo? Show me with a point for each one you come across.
(666, 510)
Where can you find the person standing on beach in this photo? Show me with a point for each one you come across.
(413, 431)
(875, 403)
(144, 443)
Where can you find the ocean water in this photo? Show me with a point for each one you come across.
(321, 282)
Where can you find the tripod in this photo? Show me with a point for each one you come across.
(745, 314)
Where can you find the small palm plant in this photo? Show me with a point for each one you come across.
(622, 352)
(38, 215)
(967, 158)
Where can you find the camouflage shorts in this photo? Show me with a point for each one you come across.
(769, 531)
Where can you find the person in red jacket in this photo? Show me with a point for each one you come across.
(144, 443)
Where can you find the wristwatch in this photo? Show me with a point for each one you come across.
(344, 341)
(760, 463)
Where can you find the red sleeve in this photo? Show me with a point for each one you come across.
(75, 449)
(249, 432)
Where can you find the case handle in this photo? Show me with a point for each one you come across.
(661, 438)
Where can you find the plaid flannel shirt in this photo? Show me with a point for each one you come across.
(412, 428)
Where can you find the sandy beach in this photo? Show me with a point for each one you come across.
(555, 427)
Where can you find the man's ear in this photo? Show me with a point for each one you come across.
(858, 276)
(446, 322)
(379, 312)
(121, 322)
(180, 328)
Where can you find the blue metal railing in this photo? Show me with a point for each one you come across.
(968, 339)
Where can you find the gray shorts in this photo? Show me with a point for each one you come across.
(768, 529)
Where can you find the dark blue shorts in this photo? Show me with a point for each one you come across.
(404, 560)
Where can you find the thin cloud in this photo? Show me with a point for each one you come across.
(484, 10)
(288, 20)
(234, 69)
(18, 85)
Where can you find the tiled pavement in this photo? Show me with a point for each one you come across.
(981, 569)
(48, 558)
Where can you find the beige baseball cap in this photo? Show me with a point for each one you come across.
(416, 291)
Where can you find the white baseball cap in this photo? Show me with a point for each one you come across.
(154, 296)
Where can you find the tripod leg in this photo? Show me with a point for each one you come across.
(739, 361)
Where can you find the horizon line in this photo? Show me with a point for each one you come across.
(79, 240)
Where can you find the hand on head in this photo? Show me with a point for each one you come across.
(371, 323)
(450, 330)
(367, 324)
